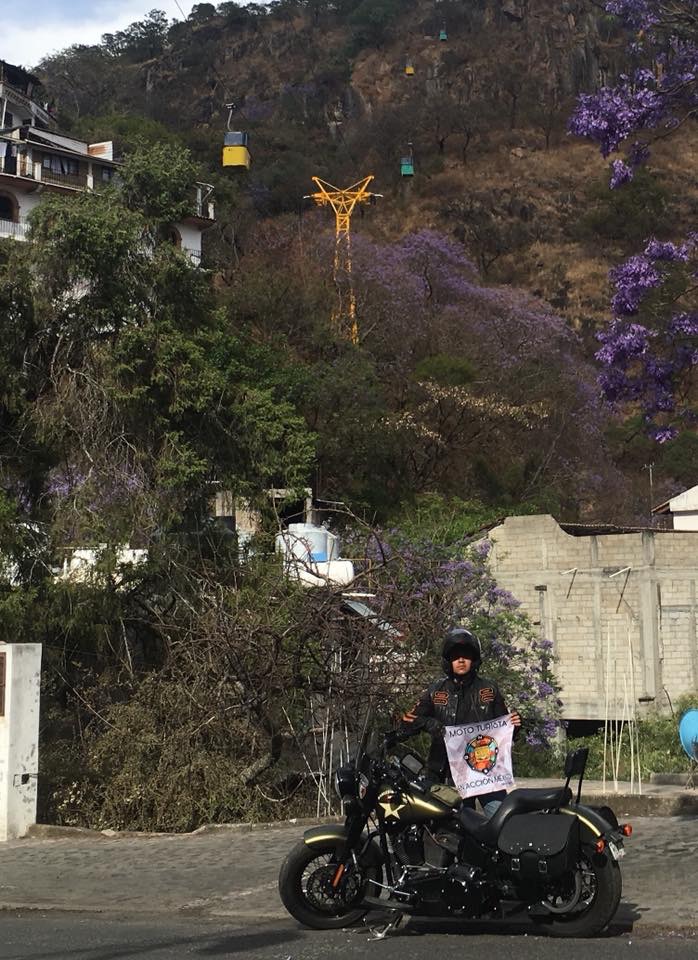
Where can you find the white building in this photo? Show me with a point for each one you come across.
(683, 509)
(34, 158)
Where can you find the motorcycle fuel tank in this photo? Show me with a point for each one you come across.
(416, 805)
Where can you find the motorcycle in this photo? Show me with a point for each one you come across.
(409, 846)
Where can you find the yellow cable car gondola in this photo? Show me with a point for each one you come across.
(235, 145)
(409, 68)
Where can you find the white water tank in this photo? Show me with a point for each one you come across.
(311, 555)
(306, 541)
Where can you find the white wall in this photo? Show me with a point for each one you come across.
(19, 739)
(25, 201)
(191, 237)
(685, 521)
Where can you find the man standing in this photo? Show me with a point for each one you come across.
(461, 696)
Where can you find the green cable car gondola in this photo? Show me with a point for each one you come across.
(442, 32)
(406, 166)
(407, 163)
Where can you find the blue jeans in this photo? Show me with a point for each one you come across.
(490, 802)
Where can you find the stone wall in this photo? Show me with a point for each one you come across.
(619, 608)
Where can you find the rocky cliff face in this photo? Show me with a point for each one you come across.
(485, 111)
(494, 46)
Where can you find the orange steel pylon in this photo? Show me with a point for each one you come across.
(343, 202)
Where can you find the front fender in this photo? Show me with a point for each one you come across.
(331, 831)
(336, 833)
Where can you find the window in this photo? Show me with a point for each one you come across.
(53, 163)
(105, 174)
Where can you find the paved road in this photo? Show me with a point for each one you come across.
(38, 935)
(232, 874)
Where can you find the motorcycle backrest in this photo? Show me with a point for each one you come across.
(575, 762)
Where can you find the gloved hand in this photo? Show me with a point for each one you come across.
(434, 727)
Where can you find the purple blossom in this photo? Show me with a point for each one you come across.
(636, 13)
(620, 173)
(610, 116)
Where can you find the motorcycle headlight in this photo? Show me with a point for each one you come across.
(345, 781)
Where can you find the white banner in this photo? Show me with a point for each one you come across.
(480, 756)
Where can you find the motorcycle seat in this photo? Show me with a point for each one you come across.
(486, 829)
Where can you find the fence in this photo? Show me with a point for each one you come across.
(10, 228)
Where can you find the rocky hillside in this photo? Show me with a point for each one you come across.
(322, 89)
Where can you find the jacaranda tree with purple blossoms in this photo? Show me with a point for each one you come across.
(424, 587)
(649, 351)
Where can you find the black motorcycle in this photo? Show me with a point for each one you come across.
(408, 845)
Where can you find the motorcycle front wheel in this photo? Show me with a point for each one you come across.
(595, 888)
(305, 887)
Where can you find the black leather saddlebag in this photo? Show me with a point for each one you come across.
(536, 846)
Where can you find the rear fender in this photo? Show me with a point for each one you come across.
(336, 832)
(591, 821)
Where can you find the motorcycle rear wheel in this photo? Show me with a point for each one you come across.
(303, 888)
(602, 886)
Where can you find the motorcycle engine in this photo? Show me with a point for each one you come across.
(440, 847)
(409, 847)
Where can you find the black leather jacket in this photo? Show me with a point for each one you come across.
(447, 702)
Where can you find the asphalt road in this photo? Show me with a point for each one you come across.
(41, 935)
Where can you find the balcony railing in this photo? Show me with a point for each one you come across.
(16, 166)
(194, 255)
(17, 231)
(64, 179)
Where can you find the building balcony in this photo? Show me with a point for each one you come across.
(194, 255)
(203, 206)
(78, 181)
(17, 166)
(10, 229)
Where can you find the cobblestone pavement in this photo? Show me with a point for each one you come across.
(232, 873)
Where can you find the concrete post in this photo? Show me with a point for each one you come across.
(20, 681)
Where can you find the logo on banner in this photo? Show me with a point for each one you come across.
(481, 754)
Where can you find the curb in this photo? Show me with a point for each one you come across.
(50, 831)
(645, 805)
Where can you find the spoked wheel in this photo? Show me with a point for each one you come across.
(586, 900)
(307, 891)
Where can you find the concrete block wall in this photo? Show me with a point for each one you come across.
(620, 610)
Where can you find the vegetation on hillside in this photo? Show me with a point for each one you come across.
(199, 683)
(320, 87)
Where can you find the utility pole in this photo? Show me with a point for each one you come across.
(343, 202)
(650, 470)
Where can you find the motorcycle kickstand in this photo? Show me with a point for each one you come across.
(380, 932)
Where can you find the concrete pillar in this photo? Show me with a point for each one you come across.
(20, 681)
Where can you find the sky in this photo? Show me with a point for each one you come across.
(46, 26)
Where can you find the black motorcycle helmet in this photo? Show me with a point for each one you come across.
(458, 638)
